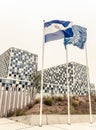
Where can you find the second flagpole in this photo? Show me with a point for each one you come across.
(42, 70)
(68, 91)
(88, 82)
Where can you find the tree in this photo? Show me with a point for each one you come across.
(36, 83)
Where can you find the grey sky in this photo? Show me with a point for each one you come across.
(21, 26)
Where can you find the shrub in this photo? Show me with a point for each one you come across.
(75, 103)
(30, 105)
(48, 101)
(37, 101)
(72, 111)
(53, 97)
(60, 99)
(10, 113)
(19, 112)
(94, 99)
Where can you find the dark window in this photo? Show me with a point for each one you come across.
(7, 88)
(3, 84)
(0, 80)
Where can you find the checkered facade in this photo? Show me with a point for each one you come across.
(55, 79)
(4, 82)
(18, 64)
(4, 63)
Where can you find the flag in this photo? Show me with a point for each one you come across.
(57, 29)
(79, 37)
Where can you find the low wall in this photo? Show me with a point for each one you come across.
(52, 119)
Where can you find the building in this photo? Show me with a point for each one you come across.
(55, 81)
(18, 66)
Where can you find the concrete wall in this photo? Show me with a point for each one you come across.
(53, 119)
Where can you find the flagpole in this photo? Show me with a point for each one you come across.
(88, 80)
(68, 93)
(42, 70)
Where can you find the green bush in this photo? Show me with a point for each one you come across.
(60, 99)
(19, 112)
(37, 101)
(48, 101)
(72, 111)
(30, 105)
(94, 99)
(53, 97)
(75, 103)
(10, 113)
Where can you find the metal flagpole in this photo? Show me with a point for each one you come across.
(41, 94)
(68, 93)
(88, 80)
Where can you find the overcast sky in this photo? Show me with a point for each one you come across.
(21, 26)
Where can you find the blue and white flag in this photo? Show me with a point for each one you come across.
(79, 37)
(56, 29)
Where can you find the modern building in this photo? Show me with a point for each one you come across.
(18, 66)
(55, 79)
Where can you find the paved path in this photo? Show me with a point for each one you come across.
(6, 124)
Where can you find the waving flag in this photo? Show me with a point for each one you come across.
(56, 29)
(79, 37)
